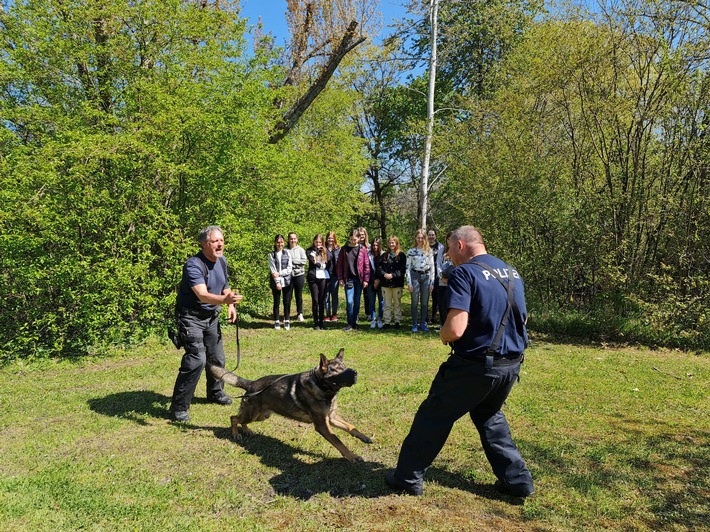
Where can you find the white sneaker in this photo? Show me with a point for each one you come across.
(373, 324)
(379, 324)
(300, 317)
(287, 325)
(277, 325)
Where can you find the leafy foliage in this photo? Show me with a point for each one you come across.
(126, 127)
(589, 168)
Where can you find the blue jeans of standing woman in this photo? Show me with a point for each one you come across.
(352, 300)
(420, 294)
(375, 297)
(331, 296)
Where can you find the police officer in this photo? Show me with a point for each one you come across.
(204, 288)
(480, 372)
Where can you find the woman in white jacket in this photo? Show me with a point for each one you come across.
(280, 281)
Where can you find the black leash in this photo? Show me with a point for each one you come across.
(236, 327)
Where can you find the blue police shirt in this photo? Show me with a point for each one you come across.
(477, 292)
(193, 273)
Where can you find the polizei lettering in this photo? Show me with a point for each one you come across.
(502, 272)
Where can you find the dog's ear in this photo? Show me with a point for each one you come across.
(340, 354)
(323, 362)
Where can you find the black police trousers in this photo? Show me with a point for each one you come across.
(466, 387)
(201, 336)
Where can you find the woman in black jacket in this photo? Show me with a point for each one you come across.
(319, 266)
(391, 268)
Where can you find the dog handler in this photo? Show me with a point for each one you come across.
(480, 372)
(204, 288)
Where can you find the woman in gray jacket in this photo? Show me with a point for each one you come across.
(298, 273)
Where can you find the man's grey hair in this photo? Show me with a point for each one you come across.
(468, 234)
(205, 233)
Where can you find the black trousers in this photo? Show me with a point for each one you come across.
(435, 301)
(202, 339)
(318, 290)
(298, 283)
(465, 387)
(287, 291)
(443, 296)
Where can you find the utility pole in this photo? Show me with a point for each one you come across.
(424, 185)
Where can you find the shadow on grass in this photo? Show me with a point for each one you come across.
(135, 405)
(335, 475)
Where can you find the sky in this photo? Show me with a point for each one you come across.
(272, 13)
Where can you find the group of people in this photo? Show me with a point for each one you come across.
(372, 271)
(484, 323)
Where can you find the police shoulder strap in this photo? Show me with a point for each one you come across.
(512, 304)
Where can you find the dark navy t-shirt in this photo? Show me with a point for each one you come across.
(193, 273)
(485, 299)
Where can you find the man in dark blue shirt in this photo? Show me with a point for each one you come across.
(204, 288)
(485, 327)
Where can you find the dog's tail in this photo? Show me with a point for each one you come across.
(228, 377)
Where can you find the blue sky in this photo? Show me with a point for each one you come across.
(272, 13)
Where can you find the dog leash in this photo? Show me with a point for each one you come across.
(236, 328)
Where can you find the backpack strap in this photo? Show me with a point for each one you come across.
(206, 272)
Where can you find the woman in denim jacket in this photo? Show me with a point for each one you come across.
(420, 279)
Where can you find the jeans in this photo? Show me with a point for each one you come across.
(352, 300)
(374, 295)
(420, 291)
(331, 296)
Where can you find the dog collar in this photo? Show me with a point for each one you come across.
(322, 383)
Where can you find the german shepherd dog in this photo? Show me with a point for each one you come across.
(307, 397)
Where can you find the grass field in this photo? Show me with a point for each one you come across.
(616, 438)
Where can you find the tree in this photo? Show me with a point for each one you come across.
(126, 127)
(319, 42)
(589, 166)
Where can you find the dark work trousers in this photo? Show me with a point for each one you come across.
(202, 339)
(465, 387)
(286, 292)
(435, 300)
(318, 289)
(297, 283)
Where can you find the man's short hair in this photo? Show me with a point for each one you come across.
(468, 234)
(207, 231)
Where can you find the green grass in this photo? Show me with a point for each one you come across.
(616, 438)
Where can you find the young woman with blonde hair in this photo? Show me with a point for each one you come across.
(420, 279)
